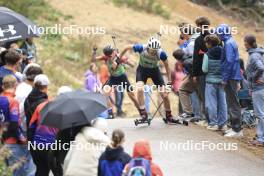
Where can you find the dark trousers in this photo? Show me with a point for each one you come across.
(119, 96)
(43, 162)
(233, 105)
(201, 95)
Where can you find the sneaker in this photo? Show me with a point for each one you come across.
(234, 134)
(202, 123)
(223, 128)
(185, 116)
(213, 127)
(228, 131)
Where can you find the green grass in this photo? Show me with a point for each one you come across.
(149, 6)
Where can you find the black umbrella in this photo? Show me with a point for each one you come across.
(14, 26)
(73, 109)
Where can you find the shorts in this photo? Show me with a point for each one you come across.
(154, 73)
(121, 80)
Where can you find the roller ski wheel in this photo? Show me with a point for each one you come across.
(142, 121)
(175, 121)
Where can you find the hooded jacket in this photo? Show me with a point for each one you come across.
(82, 158)
(113, 161)
(142, 149)
(35, 98)
(255, 68)
(230, 58)
(91, 81)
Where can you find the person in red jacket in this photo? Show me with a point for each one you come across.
(42, 135)
(142, 150)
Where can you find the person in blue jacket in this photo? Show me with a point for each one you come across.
(231, 76)
(114, 159)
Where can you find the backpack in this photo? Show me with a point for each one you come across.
(139, 167)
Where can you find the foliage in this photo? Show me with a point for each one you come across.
(149, 6)
(250, 10)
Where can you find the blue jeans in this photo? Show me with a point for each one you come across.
(21, 151)
(258, 103)
(195, 104)
(215, 103)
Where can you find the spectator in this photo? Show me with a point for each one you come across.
(215, 101)
(199, 49)
(142, 152)
(177, 78)
(187, 87)
(93, 141)
(41, 134)
(37, 96)
(30, 48)
(12, 137)
(255, 73)
(231, 79)
(24, 88)
(114, 159)
(12, 61)
(92, 83)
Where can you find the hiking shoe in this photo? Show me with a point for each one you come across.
(256, 143)
(212, 127)
(234, 134)
(202, 123)
(143, 114)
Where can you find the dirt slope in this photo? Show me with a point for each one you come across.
(131, 26)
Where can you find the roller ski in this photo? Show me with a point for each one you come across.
(170, 120)
(144, 118)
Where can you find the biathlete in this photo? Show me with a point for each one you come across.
(118, 77)
(150, 56)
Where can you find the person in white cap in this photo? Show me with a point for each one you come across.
(38, 95)
(90, 143)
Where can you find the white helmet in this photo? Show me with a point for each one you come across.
(154, 43)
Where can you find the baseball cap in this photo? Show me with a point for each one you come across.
(42, 79)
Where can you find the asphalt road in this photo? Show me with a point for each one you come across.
(192, 150)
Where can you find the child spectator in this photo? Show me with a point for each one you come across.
(215, 101)
(142, 161)
(114, 159)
